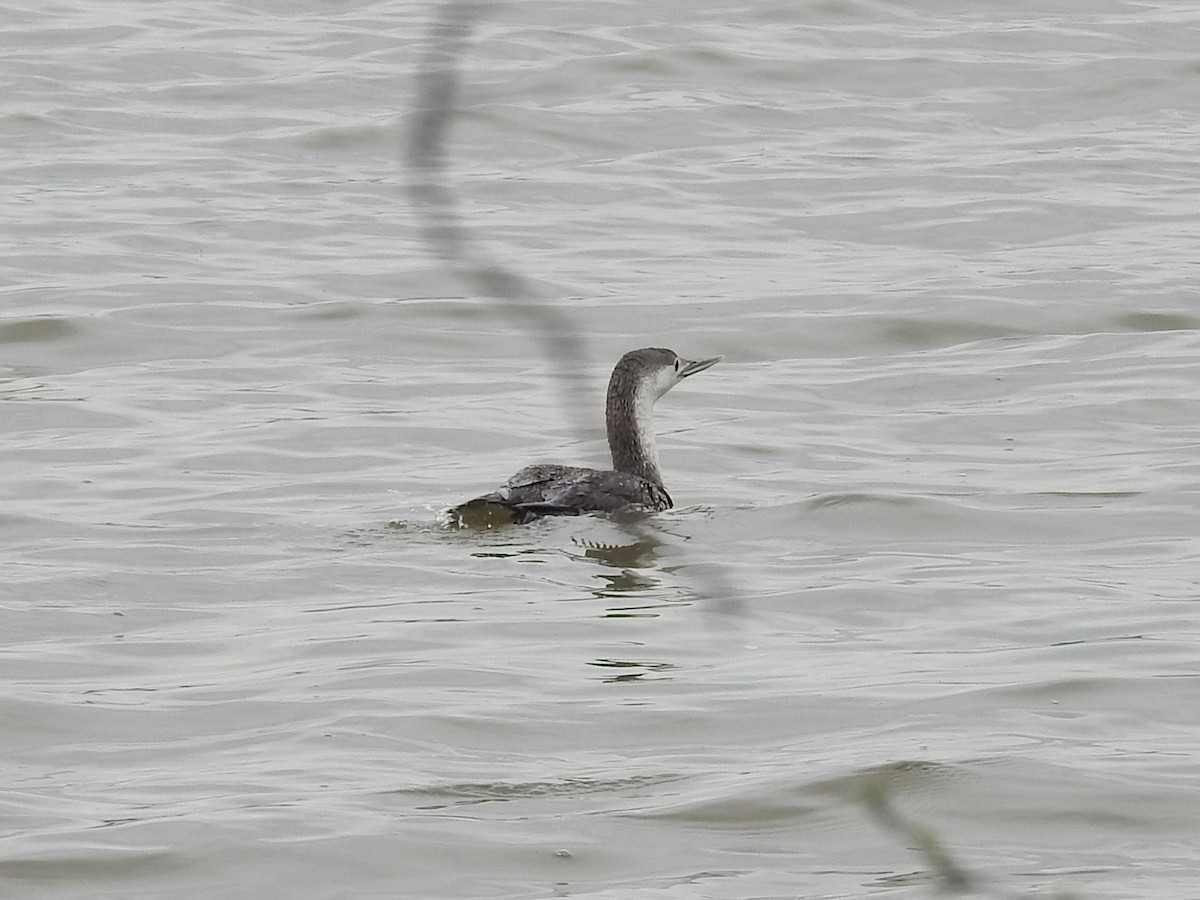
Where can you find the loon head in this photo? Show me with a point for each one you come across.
(652, 371)
(640, 378)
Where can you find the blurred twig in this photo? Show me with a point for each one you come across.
(438, 86)
(947, 874)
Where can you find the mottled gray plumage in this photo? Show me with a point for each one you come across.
(640, 378)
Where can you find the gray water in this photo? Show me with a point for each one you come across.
(937, 537)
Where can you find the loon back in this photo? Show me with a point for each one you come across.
(553, 490)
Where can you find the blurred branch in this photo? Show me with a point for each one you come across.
(947, 875)
(438, 88)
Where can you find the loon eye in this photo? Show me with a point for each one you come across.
(677, 364)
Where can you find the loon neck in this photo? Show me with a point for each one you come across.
(628, 414)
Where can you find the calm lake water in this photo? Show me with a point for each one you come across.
(935, 561)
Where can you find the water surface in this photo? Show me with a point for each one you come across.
(937, 518)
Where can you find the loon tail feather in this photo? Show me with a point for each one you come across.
(488, 511)
(492, 511)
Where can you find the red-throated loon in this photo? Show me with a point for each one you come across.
(640, 378)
